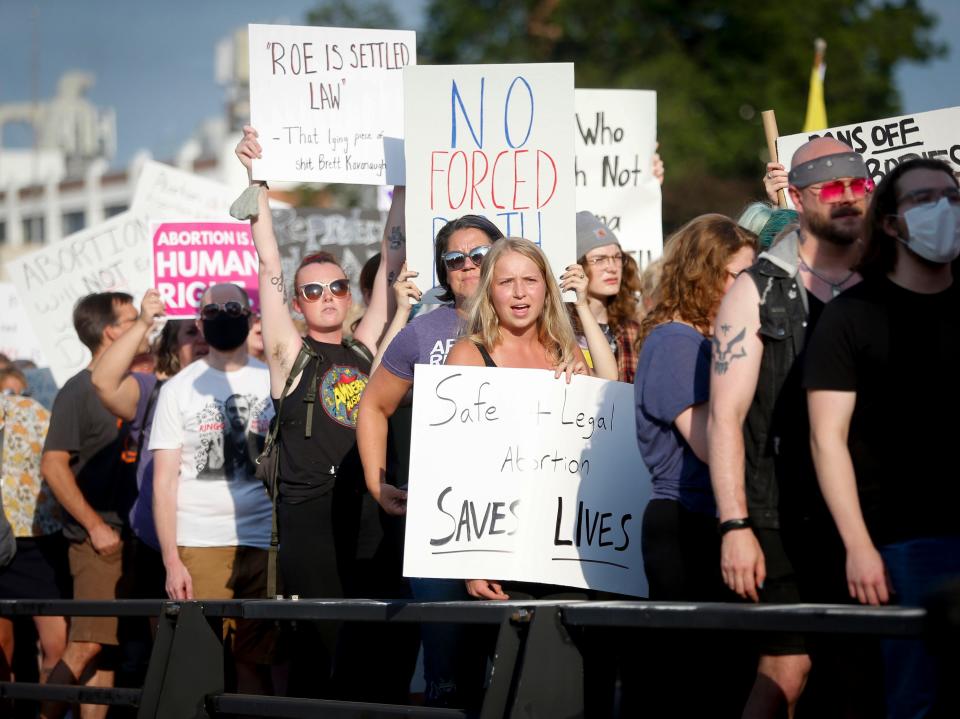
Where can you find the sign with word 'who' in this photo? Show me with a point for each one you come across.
(515, 475)
(886, 143)
(491, 140)
(188, 257)
(616, 136)
(328, 102)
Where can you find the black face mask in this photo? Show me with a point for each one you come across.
(226, 333)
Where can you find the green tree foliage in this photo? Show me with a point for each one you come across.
(715, 66)
(356, 13)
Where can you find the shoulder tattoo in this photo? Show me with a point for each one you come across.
(722, 357)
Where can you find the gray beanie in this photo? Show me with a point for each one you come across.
(592, 233)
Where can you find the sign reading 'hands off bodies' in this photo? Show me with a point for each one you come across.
(517, 475)
(491, 140)
(328, 103)
(886, 143)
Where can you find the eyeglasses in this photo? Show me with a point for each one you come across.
(834, 191)
(313, 291)
(456, 260)
(615, 260)
(230, 309)
(931, 195)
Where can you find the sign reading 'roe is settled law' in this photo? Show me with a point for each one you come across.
(517, 475)
(328, 102)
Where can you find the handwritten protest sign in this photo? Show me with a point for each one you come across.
(110, 257)
(886, 143)
(188, 257)
(17, 338)
(517, 475)
(165, 193)
(114, 256)
(492, 140)
(352, 237)
(616, 136)
(328, 102)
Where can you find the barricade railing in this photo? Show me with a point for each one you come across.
(536, 664)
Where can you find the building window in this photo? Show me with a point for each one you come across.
(33, 230)
(73, 222)
(114, 210)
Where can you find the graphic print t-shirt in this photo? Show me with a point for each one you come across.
(218, 421)
(426, 340)
(308, 465)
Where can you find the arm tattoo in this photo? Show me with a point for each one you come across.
(725, 329)
(395, 238)
(280, 285)
(723, 357)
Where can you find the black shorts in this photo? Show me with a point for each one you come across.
(39, 570)
(805, 564)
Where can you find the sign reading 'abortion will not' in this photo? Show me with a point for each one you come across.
(328, 102)
(517, 475)
(188, 257)
(491, 140)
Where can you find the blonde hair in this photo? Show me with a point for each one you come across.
(554, 330)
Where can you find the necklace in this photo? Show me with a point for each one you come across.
(835, 287)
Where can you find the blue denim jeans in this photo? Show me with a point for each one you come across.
(444, 645)
(916, 567)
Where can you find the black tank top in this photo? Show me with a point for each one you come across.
(487, 359)
(309, 465)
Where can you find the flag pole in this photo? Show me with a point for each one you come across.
(770, 130)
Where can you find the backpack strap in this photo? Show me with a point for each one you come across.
(359, 349)
(304, 356)
(148, 408)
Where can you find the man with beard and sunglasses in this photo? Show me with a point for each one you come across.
(212, 514)
(778, 543)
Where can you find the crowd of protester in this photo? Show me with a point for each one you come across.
(787, 367)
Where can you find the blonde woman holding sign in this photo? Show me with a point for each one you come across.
(517, 319)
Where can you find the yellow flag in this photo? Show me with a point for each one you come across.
(816, 108)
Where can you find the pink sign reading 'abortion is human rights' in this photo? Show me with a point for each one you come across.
(188, 257)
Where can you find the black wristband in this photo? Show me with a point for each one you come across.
(732, 524)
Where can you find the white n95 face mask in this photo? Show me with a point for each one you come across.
(934, 231)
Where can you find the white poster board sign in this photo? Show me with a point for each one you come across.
(517, 475)
(886, 143)
(165, 193)
(491, 140)
(114, 256)
(616, 137)
(328, 102)
(17, 338)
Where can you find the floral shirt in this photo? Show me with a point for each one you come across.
(28, 502)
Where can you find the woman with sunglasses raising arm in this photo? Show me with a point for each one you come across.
(318, 418)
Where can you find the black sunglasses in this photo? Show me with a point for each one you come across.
(455, 260)
(230, 309)
(313, 291)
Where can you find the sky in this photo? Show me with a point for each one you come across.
(154, 62)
